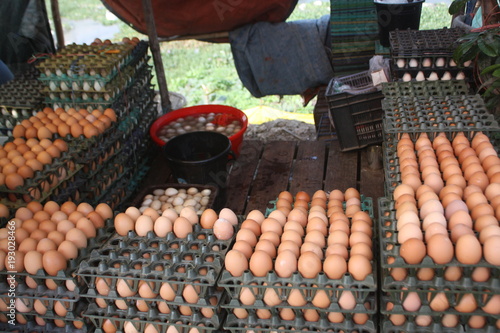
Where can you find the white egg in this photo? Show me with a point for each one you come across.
(407, 77)
(401, 63)
(440, 62)
(446, 76)
(433, 77)
(453, 63)
(427, 62)
(467, 63)
(413, 63)
(460, 76)
(420, 76)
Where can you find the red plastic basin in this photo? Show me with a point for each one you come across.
(233, 114)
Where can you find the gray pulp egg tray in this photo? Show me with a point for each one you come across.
(178, 308)
(49, 327)
(34, 188)
(195, 260)
(69, 274)
(425, 88)
(141, 321)
(389, 248)
(436, 325)
(300, 324)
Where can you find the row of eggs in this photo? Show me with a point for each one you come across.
(427, 62)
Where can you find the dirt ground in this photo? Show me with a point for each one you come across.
(281, 129)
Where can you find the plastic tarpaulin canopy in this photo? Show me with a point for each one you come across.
(194, 17)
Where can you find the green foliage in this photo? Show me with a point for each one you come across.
(457, 7)
(484, 49)
(434, 16)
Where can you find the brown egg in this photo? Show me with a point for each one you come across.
(413, 251)
(260, 263)
(468, 250)
(68, 250)
(53, 261)
(440, 249)
(208, 218)
(256, 215)
(309, 265)
(285, 263)
(223, 229)
(285, 246)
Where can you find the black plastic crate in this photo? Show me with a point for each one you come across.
(356, 113)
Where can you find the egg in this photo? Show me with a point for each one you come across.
(401, 63)
(208, 218)
(162, 226)
(223, 229)
(33, 261)
(145, 224)
(123, 224)
(260, 263)
(413, 251)
(468, 250)
(413, 63)
(359, 267)
(68, 250)
(309, 265)
(285, 263)
(77, 237)
(228, 215)
(440, 249)
(53, 262)
(420, 76)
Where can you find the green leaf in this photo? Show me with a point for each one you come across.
(496, 73)
(490, 69)
(486, 49)
(457, 7)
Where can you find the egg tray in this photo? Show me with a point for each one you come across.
(20, 93)
(425, 88)
(391, 161)
(176, 307)
(398, 73)
(33, 187)
(308, 287)
(411, 326)
(366, 206)
(125, 189)
(420, 59)
(299, 324)
(42, 292)
(69, 190)
(49, 327)
(464, 104)
(367, 306)
(161, 323)
(388, 238)
(155, 252)
(69, 274)
(85, 62)
(74, 307)
(437, 316)
(414, 43)
(97, 187)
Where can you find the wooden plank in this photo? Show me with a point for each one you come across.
(273, 174)
(309, 167)
(242, 174)
(342, 169)
(371, 181)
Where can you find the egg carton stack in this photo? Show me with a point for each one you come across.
(157, 272)
(120, 176)
(39, 291)
(90, 76)
(426, 55)
(19, 98)
(295, 271)
(439, 234)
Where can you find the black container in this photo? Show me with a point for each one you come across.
(397, 14)
(200, 158)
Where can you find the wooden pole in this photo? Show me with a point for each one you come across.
(155, 50)
(56, 16)
(490, 12)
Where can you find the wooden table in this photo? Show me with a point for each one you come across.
(262, 171)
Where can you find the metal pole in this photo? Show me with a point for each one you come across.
(56, 16)
(155, 50)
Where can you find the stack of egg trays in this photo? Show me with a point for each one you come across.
(85, 64)
(391, 161)
(397, 291)
(195, 261)
(65, 286)
(395, 89)
(465, 112)
(69, 190)
(43, 184)
(73, 304)
(425, 44)
(363, 291)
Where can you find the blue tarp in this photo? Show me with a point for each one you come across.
(282, 58)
